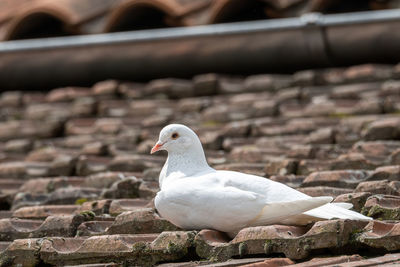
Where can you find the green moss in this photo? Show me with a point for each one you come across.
(223, 253)
(173, 248)
(353, 238)
(364, 211)
(88, 214)
(16, 117)
(50, 187)
(80, 201)
(6, 261)
(94, 204)
(202, 249)
(214, 254)
(380, 213)
(243, 249)
(308, 243)
(144, 255)
(139, 246)
(268, 246)
(211, 123)
(191, 236)
(164, 225)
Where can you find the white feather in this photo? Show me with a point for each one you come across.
(344, 205)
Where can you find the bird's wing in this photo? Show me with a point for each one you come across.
(271, 190)
(278, 211)
(205, 203)
(236, 200)
(277, 192)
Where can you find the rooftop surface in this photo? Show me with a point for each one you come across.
(77, 180)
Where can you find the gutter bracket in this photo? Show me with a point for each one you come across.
(314, 37)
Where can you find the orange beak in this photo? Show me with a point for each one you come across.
(156, 147)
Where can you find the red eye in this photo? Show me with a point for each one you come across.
(174, 135)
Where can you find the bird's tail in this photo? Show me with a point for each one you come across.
(335, 211)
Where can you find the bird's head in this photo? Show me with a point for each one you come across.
(176, 138)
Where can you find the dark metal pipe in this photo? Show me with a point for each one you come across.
(283, 45)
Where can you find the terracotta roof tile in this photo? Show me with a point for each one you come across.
(74, 166)
(42, 212)
(26, 19)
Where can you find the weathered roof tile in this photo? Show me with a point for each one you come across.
(356, 199)
(105, 137)
(140, 221)
(381, 235)
(383, 207)
(343, 179)
(379, 187)
(42, 212)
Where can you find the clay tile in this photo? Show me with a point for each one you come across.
(144, 14)
(356, 199)
(118, 206)
(78, 250)
(233, 10)
(65, 16)
(324, 191)
(4, 245)
(93, 228)
(7, 9)
(141, 221)
(336, 261)
(22, 252)
(41, 212)
(272, 262)
(11, 229)
(381, 235)
(269, 232)
(4, 214)
(344, 178)
(383, 207)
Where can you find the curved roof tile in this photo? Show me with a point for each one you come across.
(96, 16)
(69, 13)
(130, 15)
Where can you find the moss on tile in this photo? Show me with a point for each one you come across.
(80, 201)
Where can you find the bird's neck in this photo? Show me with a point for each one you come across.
(182, 165)
(188, 162)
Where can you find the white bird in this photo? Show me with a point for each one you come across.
(195, 196)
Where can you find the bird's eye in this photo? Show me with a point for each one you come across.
(174, 135)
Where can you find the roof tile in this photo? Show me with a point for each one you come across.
(83, 168)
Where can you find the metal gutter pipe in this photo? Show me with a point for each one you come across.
(280, 45)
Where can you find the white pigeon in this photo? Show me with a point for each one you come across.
(195, 196)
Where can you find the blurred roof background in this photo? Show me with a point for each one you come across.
(141, 40)
(24, 19)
